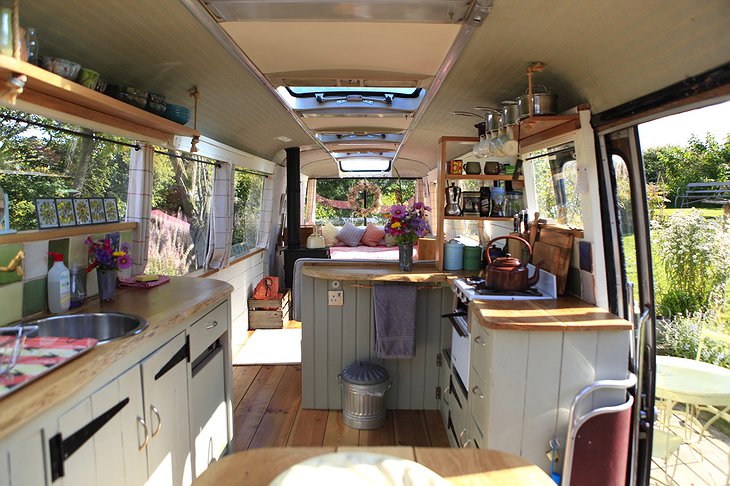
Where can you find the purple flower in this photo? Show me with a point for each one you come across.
(124, 262)
(398, 211)
(124, 247)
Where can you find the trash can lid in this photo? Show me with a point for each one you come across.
(364, 373)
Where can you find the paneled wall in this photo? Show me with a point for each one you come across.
(334, 336)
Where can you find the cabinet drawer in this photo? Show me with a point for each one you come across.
(209, 416)
(480, 352)
(478, 396)
(208, 329)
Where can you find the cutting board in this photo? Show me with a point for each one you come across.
(556, 248)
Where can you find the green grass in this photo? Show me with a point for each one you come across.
(706, 212)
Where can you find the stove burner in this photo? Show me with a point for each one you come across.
(474, 280)
(482, 289)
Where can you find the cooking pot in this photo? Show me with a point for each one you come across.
(510, 112)
(508, 273)
(543, 103)
(494, 120)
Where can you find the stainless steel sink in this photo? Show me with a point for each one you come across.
(104, 326)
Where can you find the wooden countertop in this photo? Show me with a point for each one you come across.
(565, 314)
(459, 466)
(165, 307)
(381, 272)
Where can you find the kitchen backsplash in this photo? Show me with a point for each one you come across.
(22, 297)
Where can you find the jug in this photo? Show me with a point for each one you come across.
(315, 240)
(453, 194)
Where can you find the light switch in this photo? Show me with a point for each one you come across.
(334, 297)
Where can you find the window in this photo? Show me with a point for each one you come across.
(44, 158)
(181, 192)
(248, 193)
(331, 199)
(556, 175)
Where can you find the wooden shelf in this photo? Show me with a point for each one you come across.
(53, 92)
(56, 233)
(538, 128)
(482, 177)
(478, 218)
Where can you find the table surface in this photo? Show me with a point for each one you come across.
(458, 466)
(690, 381)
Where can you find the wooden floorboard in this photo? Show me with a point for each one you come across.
(268, 413)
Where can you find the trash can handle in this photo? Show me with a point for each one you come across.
(379, 394)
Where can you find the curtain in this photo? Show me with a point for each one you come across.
(139, 204)
(220, 233)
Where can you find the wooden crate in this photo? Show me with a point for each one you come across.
(269, 314)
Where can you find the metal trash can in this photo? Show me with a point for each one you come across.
(363, 395)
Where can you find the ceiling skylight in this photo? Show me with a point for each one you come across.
(364, 164)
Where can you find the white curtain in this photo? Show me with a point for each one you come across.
(220, 234)
(139, 204)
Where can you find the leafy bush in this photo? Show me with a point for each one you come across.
(170, 250)
(680, 335)
(695, 253)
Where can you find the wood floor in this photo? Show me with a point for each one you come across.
(268, 413)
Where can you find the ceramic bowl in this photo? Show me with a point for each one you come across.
(177, 113)
(63, 67)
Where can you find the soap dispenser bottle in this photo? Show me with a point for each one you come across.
(59, 285)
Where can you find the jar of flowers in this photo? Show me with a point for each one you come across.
(107, 260)
(406, 225)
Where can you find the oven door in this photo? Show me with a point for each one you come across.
(461, 350)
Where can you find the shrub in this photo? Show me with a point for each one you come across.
(695, 255)
(680, 335)
(170, 250)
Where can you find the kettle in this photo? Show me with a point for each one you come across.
(508, 273)
(315, 240)
(453, 194)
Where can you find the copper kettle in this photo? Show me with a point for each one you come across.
(509, 273)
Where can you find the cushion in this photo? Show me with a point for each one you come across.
(372, 235)
(390, 240)
(350, 234)
(329, 233)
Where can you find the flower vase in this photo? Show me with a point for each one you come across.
(107, 284)
(405, 257)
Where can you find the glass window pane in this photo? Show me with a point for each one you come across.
(52, 161)
(246, 211)
(556, 176)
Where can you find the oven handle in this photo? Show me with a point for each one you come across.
(455, 324)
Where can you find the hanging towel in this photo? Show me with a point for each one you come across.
(395, 320)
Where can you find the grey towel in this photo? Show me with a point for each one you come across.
(395, 320)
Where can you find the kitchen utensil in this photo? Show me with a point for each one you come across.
(494, 120)
(558, 244)
(492, 167)
(453, 195)
(493, 147)
(509, 273)
(456, 167)
(543, 103)
(507, 145)
(453, 255)
(472, 168)
(510, 113)
(533, 229)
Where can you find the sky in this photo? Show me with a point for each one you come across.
(676, 129)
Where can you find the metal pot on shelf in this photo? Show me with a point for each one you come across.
(453, 195)
(543, 102)
(509, 273)
(510, 112)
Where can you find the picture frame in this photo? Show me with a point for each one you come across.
(82, 211)
(111, 210)
(470, 203)
(65, 211)
(96, 208)
(46, 212)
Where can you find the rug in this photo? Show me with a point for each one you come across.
(271, 346)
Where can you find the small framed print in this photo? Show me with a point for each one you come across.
(65, 210)
(96, 207)
(82, 211)
(470, 203)
(111, 210)
(47, 215)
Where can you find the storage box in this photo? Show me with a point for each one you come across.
(269, 314)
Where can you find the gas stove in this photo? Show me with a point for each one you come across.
(474, 288)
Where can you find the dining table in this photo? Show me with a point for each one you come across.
(457, 466)
(694, 383)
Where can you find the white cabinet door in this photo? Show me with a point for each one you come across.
(209, 416)
(24, 462)
(165, 385)
(78, 467)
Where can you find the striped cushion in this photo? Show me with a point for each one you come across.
(350, 234)
(372, 235)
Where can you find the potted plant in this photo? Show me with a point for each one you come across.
(406, 225)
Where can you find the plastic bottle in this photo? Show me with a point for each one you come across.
(78, 293)
(59, 285)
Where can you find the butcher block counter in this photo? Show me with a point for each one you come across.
(377, 272)
(458, 466)
(565, 314)
(165, 307)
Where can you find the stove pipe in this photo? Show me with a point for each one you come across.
(293, 194)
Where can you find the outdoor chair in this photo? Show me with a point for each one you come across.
(664, 445)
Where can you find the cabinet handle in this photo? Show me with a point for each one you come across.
(211, 326)
(159, 420)
(446, 392)
(146, 433)
(461, 434)
(478, 392)
(466, 444)
(480, 341)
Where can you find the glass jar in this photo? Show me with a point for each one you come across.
(78, 292)
(513, 205)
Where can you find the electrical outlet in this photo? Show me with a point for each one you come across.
(334, 297)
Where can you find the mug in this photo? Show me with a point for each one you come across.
(473, 168)
(492, 168)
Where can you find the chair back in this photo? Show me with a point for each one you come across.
(710, 334)
(598, 441)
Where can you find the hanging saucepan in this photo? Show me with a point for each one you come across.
(494, 121)
(510, 113)
(543, 103)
